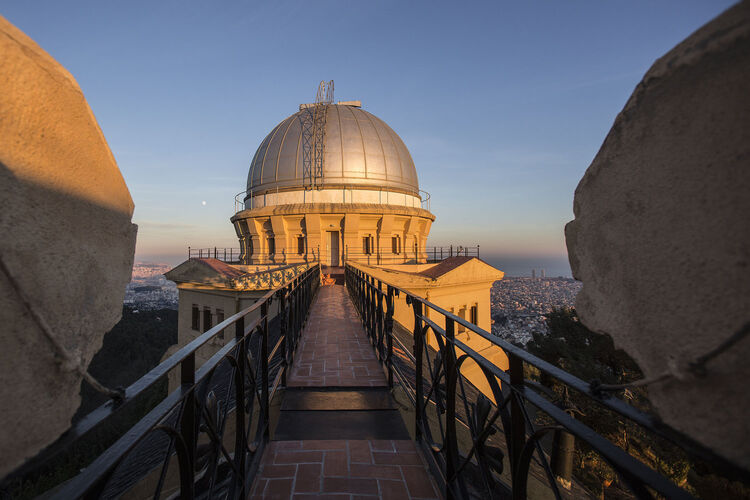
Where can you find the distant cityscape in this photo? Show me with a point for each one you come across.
(149, 289)
(519, 304)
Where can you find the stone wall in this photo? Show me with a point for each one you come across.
(67, 244)
(661, 236)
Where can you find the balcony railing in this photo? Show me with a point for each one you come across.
(228, 255)
(204, 439)
(368, 255)
(488, 443)
(347, 197)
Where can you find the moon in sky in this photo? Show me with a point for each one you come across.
(203, 203)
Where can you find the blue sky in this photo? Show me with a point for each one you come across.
(502, 105)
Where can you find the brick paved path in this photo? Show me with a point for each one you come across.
(334, 352)
(343, 470)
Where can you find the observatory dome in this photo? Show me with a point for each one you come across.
(360, 152)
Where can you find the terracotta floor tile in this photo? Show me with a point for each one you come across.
(334, 351)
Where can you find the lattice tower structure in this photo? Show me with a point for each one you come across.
(307, 138)
(313, 136)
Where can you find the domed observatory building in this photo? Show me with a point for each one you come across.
(332, 182)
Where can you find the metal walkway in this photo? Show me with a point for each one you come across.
(339, 434)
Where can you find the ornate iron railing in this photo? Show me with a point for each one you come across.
(205, 439)
(470, 437)
(269, 278)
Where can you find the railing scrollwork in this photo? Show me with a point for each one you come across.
(489, 442)
(206, 437)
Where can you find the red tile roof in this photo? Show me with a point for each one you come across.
(445, 266)
(221, 268)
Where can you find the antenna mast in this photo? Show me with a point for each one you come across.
(313, 135)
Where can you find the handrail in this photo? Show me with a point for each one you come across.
(508, 401)
(199, 409)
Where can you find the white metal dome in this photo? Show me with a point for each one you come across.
(360, 152)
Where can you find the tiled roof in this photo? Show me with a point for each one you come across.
(221, 268)
(445, 266)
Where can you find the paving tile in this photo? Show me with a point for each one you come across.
(359, 452)
(279, 488)
(382, 445)
(308, 478)
(324, 445)
(375, 471)
(396, 458)
(336, 463)
(392, 490)
(350, 485)
(298, 457)
(272, 471)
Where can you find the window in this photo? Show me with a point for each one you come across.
(474, 316)
(461, 314)
(396, 244)
(300, 245)
(206, 319)
(196, 325)
(271, 245)
(367, 244)
(219, 319)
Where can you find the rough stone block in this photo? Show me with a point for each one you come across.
(661, 236)
(67, 240)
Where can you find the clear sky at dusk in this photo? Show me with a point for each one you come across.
(502, 105)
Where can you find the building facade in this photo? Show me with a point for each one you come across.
(363, 204)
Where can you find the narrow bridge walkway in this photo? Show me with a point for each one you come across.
(339, 434)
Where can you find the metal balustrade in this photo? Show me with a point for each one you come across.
(198, 441)
(247, 197)
(403, 254)
(487, 446)
(228, 255)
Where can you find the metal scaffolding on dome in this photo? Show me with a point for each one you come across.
(313, 135)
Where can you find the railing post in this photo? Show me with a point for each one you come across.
(240, 438)
(283, 318)
(264, 369)
(188, 423)
(418, 349)
(389, 304)
(451, 448)
(366, 305)
(380, 325)
(517, 421)
(373, 310)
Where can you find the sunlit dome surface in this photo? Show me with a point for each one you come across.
(361, 152)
